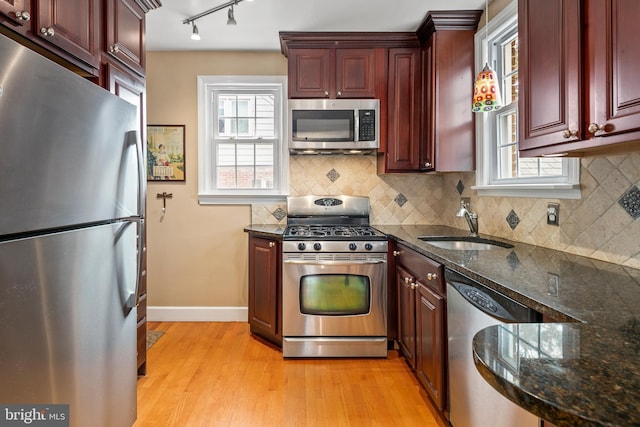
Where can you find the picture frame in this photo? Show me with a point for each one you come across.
(166, 153)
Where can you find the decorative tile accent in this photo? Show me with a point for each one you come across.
(513, 220)
(400, 199)
(460, 187)
(333, 175)
(630, 201)
(279, 214)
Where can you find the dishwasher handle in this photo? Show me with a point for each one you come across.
(487, 300)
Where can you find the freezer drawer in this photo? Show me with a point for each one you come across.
(66, 332)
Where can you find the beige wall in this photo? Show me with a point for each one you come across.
(197, 255)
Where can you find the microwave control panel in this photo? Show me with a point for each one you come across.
(367, 125)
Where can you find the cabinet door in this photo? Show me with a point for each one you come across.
(430, 343)
(403, 138)
(355, 73)
(310, 73)
(125, 27)
(550, 72)
(264, 288)
(550, 69)
(17, 14)
(614, 52)
(406, 315)
(71, 25)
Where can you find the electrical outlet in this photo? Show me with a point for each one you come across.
(467, 202)
(553, 214)
(554, 284)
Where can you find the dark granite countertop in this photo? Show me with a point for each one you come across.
(583, 373)
(593, 378)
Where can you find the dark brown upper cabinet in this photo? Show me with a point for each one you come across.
(124, 33)
(332, 73)
(73, 26)
(16, 15)
(339, 64)
(579, 91)
(446, 121)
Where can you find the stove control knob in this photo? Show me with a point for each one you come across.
(353, 246)
(317, 246)
(368, 246)
(302, 246)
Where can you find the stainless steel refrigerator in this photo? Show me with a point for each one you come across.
(71, 218)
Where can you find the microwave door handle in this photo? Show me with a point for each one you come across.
(356, 124)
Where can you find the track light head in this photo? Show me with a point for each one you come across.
(195, 35)
(231, 20)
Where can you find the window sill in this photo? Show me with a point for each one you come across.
(545, 191)
(240, 199)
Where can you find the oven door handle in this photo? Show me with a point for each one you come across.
(378, 261)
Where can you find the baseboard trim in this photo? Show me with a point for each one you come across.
(197, 314)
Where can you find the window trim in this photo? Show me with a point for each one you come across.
(206, 169)
(569, 189)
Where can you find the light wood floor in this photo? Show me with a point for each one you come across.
(217, 374)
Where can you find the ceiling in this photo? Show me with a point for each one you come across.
(260, 21)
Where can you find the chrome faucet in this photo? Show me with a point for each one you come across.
(471, 217)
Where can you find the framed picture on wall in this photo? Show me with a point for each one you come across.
(165, 153)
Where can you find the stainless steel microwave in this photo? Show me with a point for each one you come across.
(328, 126)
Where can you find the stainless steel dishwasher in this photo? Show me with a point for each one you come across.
(471, 307)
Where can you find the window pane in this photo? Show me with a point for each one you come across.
(226, 155)
(507, 161)
(528, 168)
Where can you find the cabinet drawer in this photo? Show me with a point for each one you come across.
(422, 268)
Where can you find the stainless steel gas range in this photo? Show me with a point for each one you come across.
(334, 279)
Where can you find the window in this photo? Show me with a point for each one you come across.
(241, 142)
(500, 169)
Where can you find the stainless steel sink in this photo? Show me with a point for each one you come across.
(464, 243)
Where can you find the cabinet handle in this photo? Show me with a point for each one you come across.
(114, 48)
(272, 244)
(594, 127)
(567, 133)
(23, 16)
(47, 32)
(396, 253)
(432, 276)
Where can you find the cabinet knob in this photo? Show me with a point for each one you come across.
(326, 94)
(432, 276)
(339, 94)
(396, 253)
(428, 165)
(567, 133)
(114, 48)
(272, 244)
(594, 127)
(47, 32)
(23, 16)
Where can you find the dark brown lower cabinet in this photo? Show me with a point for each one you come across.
(265, 289)
(430, 341)
(421, 320)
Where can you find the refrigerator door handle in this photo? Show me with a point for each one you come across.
(132, 138)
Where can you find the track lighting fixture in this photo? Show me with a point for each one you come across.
(231, 20)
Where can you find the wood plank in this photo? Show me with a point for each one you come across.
(218, 374)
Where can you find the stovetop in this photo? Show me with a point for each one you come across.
(332, 232)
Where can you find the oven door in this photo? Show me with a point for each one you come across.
(337, 298)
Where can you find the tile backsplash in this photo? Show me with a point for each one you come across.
(602, 224)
